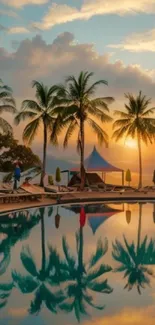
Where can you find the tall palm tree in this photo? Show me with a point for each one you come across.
(80, 278)
(134, 259)
(39, 112)
(78, 106)
(15, 229)
(7, 104)
(40, 281)
(137, 123)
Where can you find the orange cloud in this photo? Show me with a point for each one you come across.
(128, 317)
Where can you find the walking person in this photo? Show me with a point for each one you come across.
(17, 174)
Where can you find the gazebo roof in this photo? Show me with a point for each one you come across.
(95, 162)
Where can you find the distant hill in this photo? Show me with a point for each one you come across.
(53, 163)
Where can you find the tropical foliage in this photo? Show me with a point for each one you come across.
(135, 259)
(7, 104)
(77, 106)
(40, 281)
(136, 121)
(81, 278)
(41, 114)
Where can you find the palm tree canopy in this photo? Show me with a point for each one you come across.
(75, 102)
(135, 263)
(38, 112)
(81, 280)
(7, 104)
(136, 119)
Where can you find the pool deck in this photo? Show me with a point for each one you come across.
(80, 197)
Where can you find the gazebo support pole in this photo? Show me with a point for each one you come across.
(122, 177)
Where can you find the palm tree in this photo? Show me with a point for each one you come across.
(78, 107)
(40, 281)
(15, 229)
(137, 123)
(80, 278)
(7, 104)
(40, 112)
(134, 259)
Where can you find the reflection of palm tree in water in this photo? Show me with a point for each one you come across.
(40, 281)
(14, 230)
(80, 278)
(134, 259)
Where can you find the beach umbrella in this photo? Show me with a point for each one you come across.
(153, 180)
(97, 214)
(128, 215)
(82, 217)
(128, 177)
(154, 212)
(57, 219)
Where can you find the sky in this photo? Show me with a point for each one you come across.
(48, 40)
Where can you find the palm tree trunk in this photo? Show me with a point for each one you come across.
(43, 266)
(140, 161)
(139, 227)
(82, 169)
(80, 254)
(44, 156)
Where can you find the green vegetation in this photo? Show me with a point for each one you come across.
(7, 104)
(13, 152)
(137, 123)
(68, 108)
(77, 105)
(50, 180)
(41, 114)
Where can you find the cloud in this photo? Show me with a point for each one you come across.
(22, 3)
(58, 14)
(8, 13)
(51, 63)
(138, 42)
(18, 30)
(128, 316)
(35, 59)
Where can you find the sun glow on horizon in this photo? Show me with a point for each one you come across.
(131, 143)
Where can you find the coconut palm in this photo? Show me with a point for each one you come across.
(40, 281)
(7, 104)
(134, 259)
(78, 106)
(137, 123)
(81, 278)
(40, 113)
(13, 230)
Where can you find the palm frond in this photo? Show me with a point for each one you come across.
(31, 130)
(101, 250)
(72, 127)
(26, 284)
(21, 116)
(5, 126)
(101, 134)
(28, 261)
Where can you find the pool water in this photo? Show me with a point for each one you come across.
(93, 264)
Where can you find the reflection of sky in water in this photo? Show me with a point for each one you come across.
(122, 307)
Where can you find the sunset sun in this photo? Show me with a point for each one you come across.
(131, 143)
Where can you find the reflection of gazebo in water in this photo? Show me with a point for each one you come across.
(96, 163)
(96, 214)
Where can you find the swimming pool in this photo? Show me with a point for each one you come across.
(58, 267)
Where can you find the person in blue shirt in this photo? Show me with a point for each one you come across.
(17, 174)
